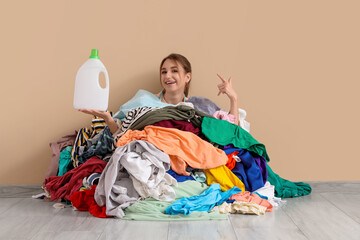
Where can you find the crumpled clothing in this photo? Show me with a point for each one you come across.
(147, 167)
(184, 148)
(97, 125)
(225, 116)
(210, 198)
(285, 188)
(204, 105)
(132, 116)
(240, 207)
(247, 170)
(62, 187)
(132, 172)
(178, 124)
(100, 146)
(224, 177)
(141, 99)
(64, 160)
(56, 148)
(231, 160)
(247, 197)
(84, 201)
(179, 112)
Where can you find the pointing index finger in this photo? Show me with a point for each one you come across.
(222, 79)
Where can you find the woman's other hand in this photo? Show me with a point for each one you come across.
(225, 87)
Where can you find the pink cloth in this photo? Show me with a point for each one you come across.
(64, 186)
(224, 116)
(56, 148)
(246, 197)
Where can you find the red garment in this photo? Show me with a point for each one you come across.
(84, 201)
(65, 185)
(181, 125)
(231, 160)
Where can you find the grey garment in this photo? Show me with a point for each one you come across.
(118, 190)
(147, 166)
(115, 189)
(204, 105)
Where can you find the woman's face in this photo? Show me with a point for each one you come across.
(173, 77)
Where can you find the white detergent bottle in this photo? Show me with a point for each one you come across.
(88, 93)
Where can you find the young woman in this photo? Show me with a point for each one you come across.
(175, 78)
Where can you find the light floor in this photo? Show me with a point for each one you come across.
(331, 212)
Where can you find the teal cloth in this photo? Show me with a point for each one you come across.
(151, 209)
(224, 133)
(64, 160)
(142, 98)
(285, 188)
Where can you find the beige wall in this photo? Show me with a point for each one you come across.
(295, 66)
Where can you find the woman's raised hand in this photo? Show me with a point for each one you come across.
(225, 87)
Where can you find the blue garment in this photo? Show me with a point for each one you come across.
(253, 179)
(211, 197)
(180, 178)
(142, 98)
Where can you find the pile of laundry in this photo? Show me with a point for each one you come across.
(166, 162)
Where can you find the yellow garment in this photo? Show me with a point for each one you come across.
(225, 177)
(184, 148)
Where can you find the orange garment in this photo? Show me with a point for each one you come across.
(225, 177)
(246, 197)
(184, 148)
(231, 160)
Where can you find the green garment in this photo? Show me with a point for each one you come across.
(180, 113)
(64, 160)
(224, 133)
(151, 209)
(285, 188)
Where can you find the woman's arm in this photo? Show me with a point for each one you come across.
(226, 88)
(110, 122)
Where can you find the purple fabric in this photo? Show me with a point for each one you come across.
(228, 146)
(261, 162)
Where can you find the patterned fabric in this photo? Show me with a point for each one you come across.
(97, 125)
(131, 117)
